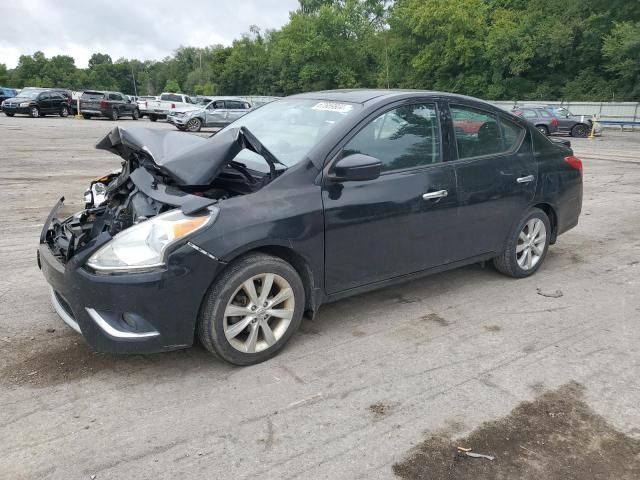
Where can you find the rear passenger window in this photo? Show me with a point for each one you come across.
(234, 105)
(477, 132)
(529, 114)
(404, 137)
(511, 133)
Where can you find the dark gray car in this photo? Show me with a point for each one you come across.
(544, 120)
(574, 125)
(112, 105)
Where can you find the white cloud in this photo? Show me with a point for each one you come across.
(121, 28)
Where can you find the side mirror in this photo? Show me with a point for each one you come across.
(356, 168)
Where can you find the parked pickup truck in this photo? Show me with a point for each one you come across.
(168, 102)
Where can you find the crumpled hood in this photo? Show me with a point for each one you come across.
(190, 160)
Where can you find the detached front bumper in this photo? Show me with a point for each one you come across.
(130, 313)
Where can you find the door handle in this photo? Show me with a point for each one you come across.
(527, 179)
(433, 195)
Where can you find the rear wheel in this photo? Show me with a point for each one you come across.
(9, 114)
(136, 114)
(64, 111)
(526, 247)
(579, 130)
(252, 310)
(194, 125)
(153, 118)
(543, 129)
(34, 112)
(86, 116)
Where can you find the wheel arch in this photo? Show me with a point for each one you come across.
(301, 265)
(553, 219)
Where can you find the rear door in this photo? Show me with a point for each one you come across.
(235, 109)
(401, 222)
(496, 174)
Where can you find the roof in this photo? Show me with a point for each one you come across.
(366, 95)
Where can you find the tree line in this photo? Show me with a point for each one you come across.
(494, 49)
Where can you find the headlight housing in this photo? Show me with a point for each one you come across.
(146, 245)
(24, 104)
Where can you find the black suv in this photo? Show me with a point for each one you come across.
(112, 105)
(37, 102)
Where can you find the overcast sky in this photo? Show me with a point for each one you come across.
(150, 29)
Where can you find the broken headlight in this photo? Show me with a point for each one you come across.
(145, 245)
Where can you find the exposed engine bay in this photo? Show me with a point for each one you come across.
(161, 171)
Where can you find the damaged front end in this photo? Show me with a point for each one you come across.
(161, 172)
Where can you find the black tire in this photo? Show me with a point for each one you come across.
(543, 129)
(580, 130)
(507, 262)
(194, 125)
(153, 118)
(9, 114)
(64, 111)
(114, 115)
(211, 319)
(34, 112)
(135, 114)
(86, 116)
(182, 129)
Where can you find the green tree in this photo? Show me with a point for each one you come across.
(172, 86)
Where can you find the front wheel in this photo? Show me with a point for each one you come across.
(526, 246)
(194, 125)
(252, 310)
(34, 112)
(114, 115)
(9, 114)
(86, 116)
(579, 130)
(136, 114)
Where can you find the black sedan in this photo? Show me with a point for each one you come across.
(304, 201)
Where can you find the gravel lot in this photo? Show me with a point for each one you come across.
(387, 383)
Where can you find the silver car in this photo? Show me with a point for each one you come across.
(219, 112)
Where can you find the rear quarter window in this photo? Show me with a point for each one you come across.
(92, 96)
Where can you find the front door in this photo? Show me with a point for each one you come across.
(496, 175)
(401, 222)
(215, 114)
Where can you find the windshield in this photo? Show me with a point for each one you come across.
(30, 93)
(290, 128)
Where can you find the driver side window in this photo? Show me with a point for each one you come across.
(405, 137)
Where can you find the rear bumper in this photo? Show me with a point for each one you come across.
(130, 313)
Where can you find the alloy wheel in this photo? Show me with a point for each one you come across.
(259, 313)
(193, 125)
(35, 112)
(531, 244)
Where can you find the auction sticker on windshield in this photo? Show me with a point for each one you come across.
(333, 107)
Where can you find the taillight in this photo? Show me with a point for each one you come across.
(103, 104)
(575, 162)
(554, 121)
(173, 105)
(145, 104)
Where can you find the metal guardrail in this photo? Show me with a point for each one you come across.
(613, 113)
